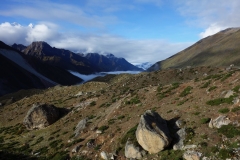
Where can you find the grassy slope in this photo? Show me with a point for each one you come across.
(221, 49)
(119, 102)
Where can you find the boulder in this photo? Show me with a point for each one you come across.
(107, 156)
(192, 155)
(131, 151)
(41, 116)
(152, 132)
(80, 126)
(180, 137)
(228, 94)
(219, 122)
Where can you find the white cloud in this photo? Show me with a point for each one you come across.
(212, 16)
(212, 29)
(16, 33)
(135, 51)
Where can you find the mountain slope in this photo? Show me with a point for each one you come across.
(13, 78)
(60, 58)
(103, 116)
(110, 63)
(221, 49)
(19, 71)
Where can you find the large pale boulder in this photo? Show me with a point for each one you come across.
(41, 116)
(219, 122)
(131, 151)
(152, 132)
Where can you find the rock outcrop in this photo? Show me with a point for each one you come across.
(131, 151)
(180, 136)
(80, 126)
(41, 116)
(152, 132)
(219, 122)
(192, 155)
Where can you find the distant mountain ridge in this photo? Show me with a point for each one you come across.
(220, 49)
(110, 63)
(84, 64)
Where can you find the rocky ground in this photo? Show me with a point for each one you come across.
(190, 113)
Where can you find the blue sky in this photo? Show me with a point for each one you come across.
(138, 30)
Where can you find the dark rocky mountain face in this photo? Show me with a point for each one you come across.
(14, 77)
(111, 63)
(60, 58)
(221, 49)
(19, 47)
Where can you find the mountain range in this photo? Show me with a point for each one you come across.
(39, 66)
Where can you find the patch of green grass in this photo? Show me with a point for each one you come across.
(225, 153)
(229, 131)
(205, 120)
(226, 76)
(93, 103)
(235, 109)
(121, 117)
(186, 91)
(182, 102)
(223, 110)
(236, 89)
(103, 128)
(189, 135)
(171, 155)
(196, 113)
(111, 121)
(212, 88)
(205, 85)
(219, 101)
(131, 135)
(134, 100)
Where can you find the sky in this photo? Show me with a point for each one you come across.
(137, 30)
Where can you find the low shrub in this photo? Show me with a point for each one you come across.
(223, 110)
(205, 120)
(186, 91)
(235, 109)
(229, 131)
(219, 101)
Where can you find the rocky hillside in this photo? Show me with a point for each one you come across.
(221, 49)
(187, 114)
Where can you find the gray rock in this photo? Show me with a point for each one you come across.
(192, 155)
(76, 148)
(228, 94)
(132, 151)
(191, 146)
(180, 135)
(152, 132)
(41, 116)
(236, 100)
(104, 155)
(80, 126)
(219, 122)
(79, 94)
(179, 123)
